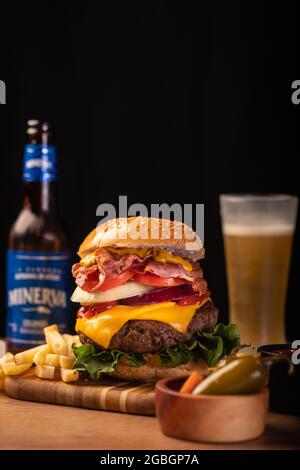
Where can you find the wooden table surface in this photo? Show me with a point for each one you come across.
(28, 425)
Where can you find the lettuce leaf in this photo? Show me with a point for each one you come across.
(208, 346)
(96, 362)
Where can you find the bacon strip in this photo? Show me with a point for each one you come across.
(176, 270)
(89, 279)
(110, 265)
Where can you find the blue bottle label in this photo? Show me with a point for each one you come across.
(39, 163)
(38, 294)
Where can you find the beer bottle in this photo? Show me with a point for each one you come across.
(38, 258)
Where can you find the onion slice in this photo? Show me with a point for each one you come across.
(123, 291)
(164, 294)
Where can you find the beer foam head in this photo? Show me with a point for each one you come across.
(263, 228)
(249, 214)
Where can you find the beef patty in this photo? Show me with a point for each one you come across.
(149, 336)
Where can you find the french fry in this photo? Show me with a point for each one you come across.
(66, 362)
(69, 375)
(44, 372)
(10, 368)
(55, 340)
(8, 357)
(40, 357)
(52, 360)
(50, 328)
(26, 357)
(57, 353)
(70, 340)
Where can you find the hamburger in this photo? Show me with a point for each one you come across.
(145, 309)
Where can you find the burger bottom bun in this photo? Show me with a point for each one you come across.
(152, 373)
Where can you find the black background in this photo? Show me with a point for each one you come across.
(161, 101)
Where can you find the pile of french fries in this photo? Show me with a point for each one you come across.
(50, 359)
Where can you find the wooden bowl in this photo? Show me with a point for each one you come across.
(209, 418)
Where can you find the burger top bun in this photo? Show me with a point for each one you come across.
(143, 232)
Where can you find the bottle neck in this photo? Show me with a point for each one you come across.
(41, 197)
(40, 169)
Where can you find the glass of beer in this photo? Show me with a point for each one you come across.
(258, 233)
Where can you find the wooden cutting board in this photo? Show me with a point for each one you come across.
(107, 394)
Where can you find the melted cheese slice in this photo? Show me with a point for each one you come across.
(88, 260)
(103, 326)
(164, 256)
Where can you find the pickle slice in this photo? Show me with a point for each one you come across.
(243, 375)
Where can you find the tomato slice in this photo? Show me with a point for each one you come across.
(153, 280)
(88, 311)
(116, 281)
(193, 299)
